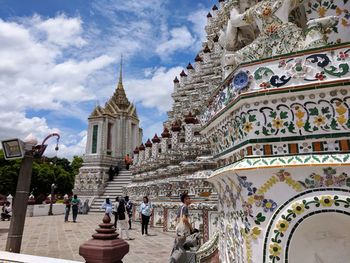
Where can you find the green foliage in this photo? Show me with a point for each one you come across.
(45, 172)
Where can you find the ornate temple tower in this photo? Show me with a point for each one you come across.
(113, 132)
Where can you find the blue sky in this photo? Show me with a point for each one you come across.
(58, 59)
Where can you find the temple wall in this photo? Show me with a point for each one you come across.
(261, 208)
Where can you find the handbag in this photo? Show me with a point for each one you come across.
(181, 228)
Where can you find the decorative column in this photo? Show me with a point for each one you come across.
(165, 137)
(205, 225)
(136, 156)
(215, 10)
(175, 128)
(217, 47)
(155, 146)
(198, 63)
(104, 246)
(141, 153)
(165, 222)
(190, 120)
(209, 19)
(190, 71)
(176, 84)
(148, 150)
(183, 78)
(206, 54)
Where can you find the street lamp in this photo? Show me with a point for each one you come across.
(27, 150)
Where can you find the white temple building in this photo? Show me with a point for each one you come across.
(113, 132)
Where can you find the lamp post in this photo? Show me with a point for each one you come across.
(26, 150)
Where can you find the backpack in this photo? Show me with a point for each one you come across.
(181, 228)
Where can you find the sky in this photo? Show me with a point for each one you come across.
(59, 59)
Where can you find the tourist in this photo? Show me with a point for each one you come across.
(75, 202)
(184, 227)
(186, 236)
(116, 170)
(6, 211)
(127, 161)
(129, 206)
(115, 211)
(110, 173)
(67, 202)
(123, 217)
(107, 205)
(145, 214)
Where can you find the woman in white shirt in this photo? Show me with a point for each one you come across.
(145, 214)
(107, 205)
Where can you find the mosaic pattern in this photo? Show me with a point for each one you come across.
(303, 117)
(245, 208)
(283, 222)
(294, 72)
(323, 8)
(284, 161)
(328, 179)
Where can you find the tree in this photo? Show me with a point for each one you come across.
(76, 164)
(45, 172)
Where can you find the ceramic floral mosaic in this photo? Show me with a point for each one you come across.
(321, 112)
(296, 71)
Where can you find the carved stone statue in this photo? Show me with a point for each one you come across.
(277, 35)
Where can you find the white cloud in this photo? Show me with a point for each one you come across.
(36, 74)
(199, 21)
(154, 91)
(180, 39)
(61, 30)
(55, 64)
(150, 128)
(74, 146)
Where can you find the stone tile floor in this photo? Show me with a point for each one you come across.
(49, 236)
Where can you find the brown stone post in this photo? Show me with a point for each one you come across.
(165, 223)
(105, 247)
(205, 225)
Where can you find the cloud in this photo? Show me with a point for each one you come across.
(74, 146)
(180, 39)
(150, 128)
(61, 30)
(199, 21)
(36, 73)
(155, 91)
(57, 66)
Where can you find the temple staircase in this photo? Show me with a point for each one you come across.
(113, 189)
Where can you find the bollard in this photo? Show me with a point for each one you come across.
(105, 246)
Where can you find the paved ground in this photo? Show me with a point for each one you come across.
(49, 236)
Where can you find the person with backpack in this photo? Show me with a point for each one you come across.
(123, 218)
(129, 206)
(145, 214)
(75, 202)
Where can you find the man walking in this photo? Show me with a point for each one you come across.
(75, 202)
